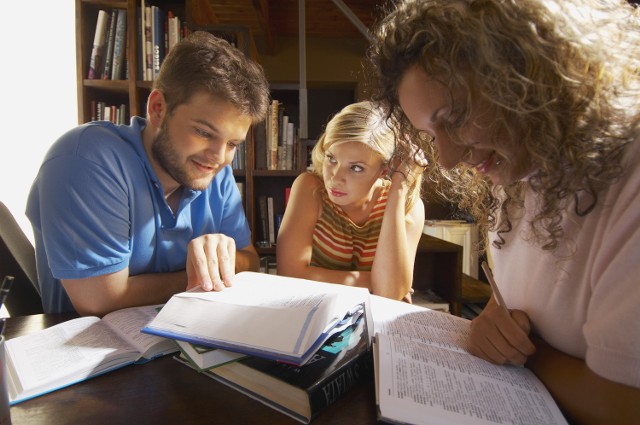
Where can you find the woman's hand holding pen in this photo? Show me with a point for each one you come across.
(501, 336)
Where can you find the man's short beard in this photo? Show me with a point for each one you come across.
(166, 156)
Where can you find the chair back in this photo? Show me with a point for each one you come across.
(18, 259)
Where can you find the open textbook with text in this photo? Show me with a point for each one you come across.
(262, 315)
(79, 349)
(425, 375)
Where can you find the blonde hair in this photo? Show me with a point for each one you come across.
(562, 77)
(363, 122)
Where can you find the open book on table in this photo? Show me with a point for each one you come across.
(424, 375)
(263, 315)
(79, 349)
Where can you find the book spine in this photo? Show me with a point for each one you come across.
(98, 45)
(148, 31)
(329, 390)
(272, 223)
(262, 203)
(260, 145)
(273, 158)
(158, 40)
(119, 45)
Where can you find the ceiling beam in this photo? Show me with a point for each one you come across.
(261, 8)
(354, 19)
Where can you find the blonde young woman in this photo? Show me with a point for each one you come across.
(356, 219)
(531, 109)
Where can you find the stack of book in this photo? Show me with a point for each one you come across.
(293, 344)
(301, 392)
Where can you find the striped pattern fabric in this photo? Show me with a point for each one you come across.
(340, 244)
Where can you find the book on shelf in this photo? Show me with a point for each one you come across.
(79, 349)
(260, 145)
(97, 52)
(173, 33)
(271, 217)
(157, 30)
(109, 43)
(272, 135)
(263, 315)
(303, 392)
(148, 42)
(120, 46)
(264, 219)
(425, 375)
(201, 357)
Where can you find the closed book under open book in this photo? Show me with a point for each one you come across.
(262, 315)
(302, 392)
(206, 357)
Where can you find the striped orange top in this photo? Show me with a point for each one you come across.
(340, 244)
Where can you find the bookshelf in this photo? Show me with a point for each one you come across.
(324, 100)
(133, 90)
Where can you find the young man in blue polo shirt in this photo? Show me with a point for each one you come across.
(130, 215)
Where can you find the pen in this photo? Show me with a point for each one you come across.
(494, 287)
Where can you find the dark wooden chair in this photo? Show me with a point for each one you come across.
(17, 259)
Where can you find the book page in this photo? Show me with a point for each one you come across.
(424, 384)
(63, 354)
(431, 327)
(129, 321)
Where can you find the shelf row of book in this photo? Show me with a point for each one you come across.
(158, 32)
(101, 111)
(238, 162)
(108, 55)
(270, 219)
(277, 142)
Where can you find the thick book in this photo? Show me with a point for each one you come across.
(425, 375)
(79, 349)
(202, 357)
(303, 392)
(263, 315)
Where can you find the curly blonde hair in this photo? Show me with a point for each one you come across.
(562, 77)
(366, 123)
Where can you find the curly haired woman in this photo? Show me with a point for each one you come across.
(531, 109)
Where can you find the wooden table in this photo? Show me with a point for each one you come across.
(164, 392)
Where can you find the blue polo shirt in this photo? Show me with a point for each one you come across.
(97, 207)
